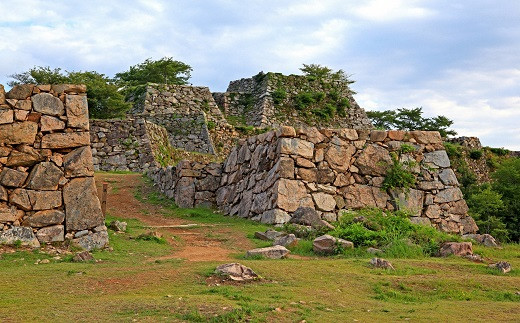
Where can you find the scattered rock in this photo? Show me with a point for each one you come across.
(236, 271)
(274, 252)
(456, 248)
(23, 234)
(484, 239)
(286, 240)
(268, 235)
(474, 257)
(381, 263)
(83, 256)
(502, 266)
(118, 226)
(327, 244)
(98, 240)
(374, 250)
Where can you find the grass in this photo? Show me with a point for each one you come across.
(132, 284)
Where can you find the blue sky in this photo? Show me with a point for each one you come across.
(455, 58)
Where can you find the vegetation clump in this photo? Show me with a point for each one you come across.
(399, 175)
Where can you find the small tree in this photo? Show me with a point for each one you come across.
(104, 99)
(410, 119)
(319, 72)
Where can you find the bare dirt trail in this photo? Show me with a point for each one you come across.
(216, 243)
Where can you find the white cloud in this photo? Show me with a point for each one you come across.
(386, 11)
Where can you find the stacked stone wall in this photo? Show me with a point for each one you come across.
(47, 188)
(271, 175)
(190, 184)
(125, 145)
(267, 113)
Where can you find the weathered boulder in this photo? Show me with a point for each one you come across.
(82, 206)
(285, 240)
(46, 103)
(53, 233)
(24, 156)
(44, 218)
(268, 235)
(22, 234)
(484, 239)
(305, 216)
(456, 248)
(78, 163)
(274, 252)
(98, 240)
(236, 272)
(469, 225)
(275, 216)
(118, 226)
(83, 256)
(381, 263)
(45, 176)
(502, 266)
(327, 244)
(77, 111)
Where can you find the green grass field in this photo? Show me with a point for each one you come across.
(136, 282)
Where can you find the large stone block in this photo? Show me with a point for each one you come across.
(44, 176)
(6, 116)
(46, 103)
(12, 178)
(77, 111)
(45, 200)
(82, 207)
(24, 156)
(53, 233)
(20, 92)
(295, 146)
(78, 163)
(291, 194)
(44, 218)
(66, 140)
(18, 133)
(437, 159)
(448, 195)
(338, 156)
(373, 160)
(22, 234)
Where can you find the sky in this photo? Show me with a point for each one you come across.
(460, 59)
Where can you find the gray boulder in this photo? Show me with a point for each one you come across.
(381, 263)
(327, 244)
(236, 271)
(274, 252)
(23, 234)
(286, 240)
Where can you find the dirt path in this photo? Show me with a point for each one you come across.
(215, 243)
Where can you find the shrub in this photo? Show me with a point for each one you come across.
(398, 174)
(475, 154)
(453, 150)
(303, 100)
(279, 95)
(499, 151)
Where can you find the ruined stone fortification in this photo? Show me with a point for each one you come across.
(197, 120)
(47, 189)
(132, 144)
(274, 99)
(269, 176)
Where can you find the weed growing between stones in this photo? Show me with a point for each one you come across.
(398, 175)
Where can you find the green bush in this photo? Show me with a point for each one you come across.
(499, 151)
(398, 174)
(391, 231)
(303, 100)
(279, 95)
(475, 154)
(453, 150)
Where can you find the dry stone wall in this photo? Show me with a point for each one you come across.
(268, 177)
(47, 188)
(266, 111)
(190, 184)
(126, 145)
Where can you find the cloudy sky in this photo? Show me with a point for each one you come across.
(455, 58)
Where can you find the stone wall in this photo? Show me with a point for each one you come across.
(269, 176)
(47, 188)
(126, 145)
(190, 184)
(266, 111)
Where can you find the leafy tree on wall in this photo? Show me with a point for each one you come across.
(410, 119)
(104, 99)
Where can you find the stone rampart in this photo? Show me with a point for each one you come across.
(126, 145)
(47, 188)
(269, 176)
